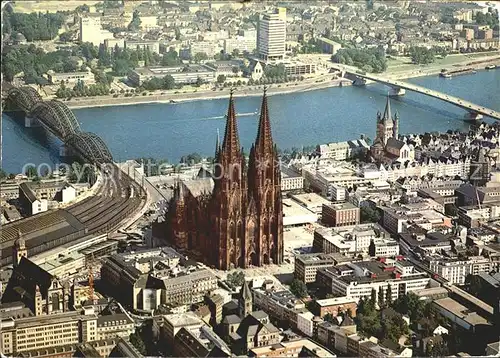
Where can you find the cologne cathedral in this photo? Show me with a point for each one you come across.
(232, 217)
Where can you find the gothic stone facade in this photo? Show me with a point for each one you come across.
(234, 219)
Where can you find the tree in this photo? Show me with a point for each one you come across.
(193, 158)
(439, 349)
(67, 36)
(82, 8)
(3, 174)
(372, 249)
(388, 295)
(393, 328)
(236, 279)
(474, 285)
(373, 297)
(369, 215)
(121, 67)
(411, 305)
(31, 171)
(329, 318)
(421, 55)
(221, 79)
(138, 343)
(34, 26)
(298, 288)
(381, 297)
(368, 59)
(171, 58)
(200, 56)
(169, 82)
(135, 24)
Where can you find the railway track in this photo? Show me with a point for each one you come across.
(111, 204)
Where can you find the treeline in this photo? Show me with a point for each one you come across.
(490, 18)
(423, 55)
(82, 90)
(34, 61)
(368, 60)
(34, 26)
(153, 84)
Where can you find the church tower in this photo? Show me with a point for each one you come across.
(385, 124)
(19, 249)
(245, 301)
(264, 181)
(177, 211)
(395, 127)
(229, 199)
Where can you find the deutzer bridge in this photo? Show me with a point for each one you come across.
(474, 111)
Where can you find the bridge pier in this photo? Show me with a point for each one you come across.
(473, 116)
(65, 151)
(359, 82)
(30, 122)
(397, 91)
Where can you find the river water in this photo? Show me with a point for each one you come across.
(334, 114)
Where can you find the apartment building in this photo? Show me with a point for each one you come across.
(282, 306)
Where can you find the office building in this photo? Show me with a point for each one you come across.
(455, 270)
(335, 306)
(271, 36)
(344, 214)
(152, 46)
(91, 30)
(59, 329)
(148, 278)
(307, 265)
(356, 280)
(181, 74)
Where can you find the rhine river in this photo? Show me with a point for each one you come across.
(300, 119)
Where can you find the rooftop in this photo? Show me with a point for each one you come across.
(335, 301)
(183, 319)
(310, 200)
(460, 311)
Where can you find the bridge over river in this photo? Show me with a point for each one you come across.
(474, 111)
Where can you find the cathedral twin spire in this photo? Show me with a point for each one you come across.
(231, 145)
(264, 141)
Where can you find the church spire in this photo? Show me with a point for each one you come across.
(387, 111)
(264, 137)
(231, 144)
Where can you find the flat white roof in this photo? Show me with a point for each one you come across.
(335, 301)
(310, 200)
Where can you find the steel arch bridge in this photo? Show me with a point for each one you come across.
(57, 118)
(90, 146)
(24, 97)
